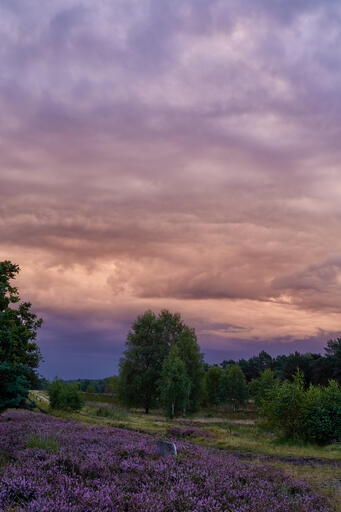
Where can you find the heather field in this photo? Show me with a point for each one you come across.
(54, 465)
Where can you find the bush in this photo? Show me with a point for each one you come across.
(283, 407)
(65, 396)
(322, 414)
(312, 415)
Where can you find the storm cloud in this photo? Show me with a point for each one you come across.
(173, 154)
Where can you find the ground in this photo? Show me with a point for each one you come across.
(238, 433)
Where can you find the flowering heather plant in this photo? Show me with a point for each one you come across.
(98, 469)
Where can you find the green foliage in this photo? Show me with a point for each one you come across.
(19, 353)
(213, 385)
(14, 385)
(140, 368)
(283, 407)
(322, 413)
(65, 396)
(114, 414)
(189, 353)
(260, 387)
(333, 351)
(43, 442)
(90, 388)
(112, 385)
(148, 344)
(312, 415)
(253, 367)
(18, 326)
(234, 388)
(174, 384)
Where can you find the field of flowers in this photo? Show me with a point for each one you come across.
(54, 465)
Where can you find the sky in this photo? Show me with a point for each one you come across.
(178, 154)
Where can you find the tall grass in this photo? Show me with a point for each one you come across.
(43, 441)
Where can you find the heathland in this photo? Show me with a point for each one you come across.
(221, 430)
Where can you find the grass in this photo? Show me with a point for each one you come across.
(232, 431)
(43, 442)
(325, 480)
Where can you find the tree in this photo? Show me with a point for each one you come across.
(213, 382)
(174, 384)
(312, 414)
(140, 368)
(148, 344)
(333, 352)
(65, 396)
(233, 386)
(261, 386)
(283, 407)
(189, 353)
(19, 353)
(14, 385)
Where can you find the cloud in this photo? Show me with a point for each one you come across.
(317, 286)
(175, 154)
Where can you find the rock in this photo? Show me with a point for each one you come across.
(166, 448)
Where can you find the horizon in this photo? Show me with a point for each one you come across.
(172, 155)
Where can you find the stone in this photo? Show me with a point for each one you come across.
(166, 448)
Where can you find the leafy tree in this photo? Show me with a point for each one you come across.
(189, 353)
(227, 362)
(260, 387)
(19, 353)
(65, 396)
(213, 385)
(333, 353)
(148, 344)
(140, 368)
(14, 385)
(283, 407)
(90, 388)
(234, 388)
(174, 384)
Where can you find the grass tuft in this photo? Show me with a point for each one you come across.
(43, 442)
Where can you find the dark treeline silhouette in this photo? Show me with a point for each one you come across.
(316, 368)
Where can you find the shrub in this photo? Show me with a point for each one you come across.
(65, 396)
(115, 414)
(283, 407)
(322, 414)
(312, 415)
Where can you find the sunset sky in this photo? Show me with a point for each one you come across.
(172, 154)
